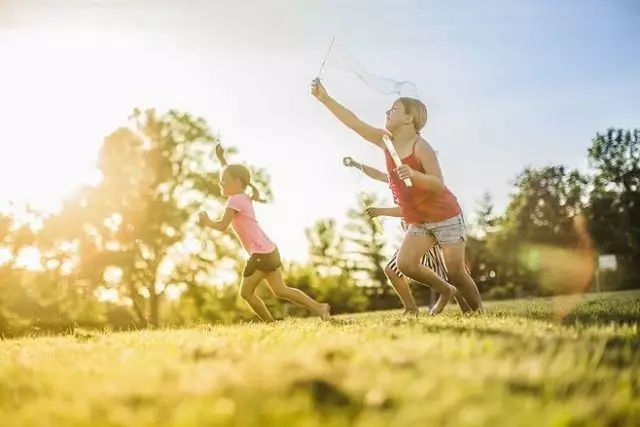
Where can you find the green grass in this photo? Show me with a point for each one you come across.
(521, 364)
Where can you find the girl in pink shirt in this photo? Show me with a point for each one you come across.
(264, 260)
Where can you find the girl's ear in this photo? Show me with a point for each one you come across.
(408, 118)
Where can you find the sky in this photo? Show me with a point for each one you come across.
(513, 85)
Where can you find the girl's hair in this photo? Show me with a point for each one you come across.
(417, 109)
(244, 175)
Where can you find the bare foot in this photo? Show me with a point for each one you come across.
(324, 312)
(480, 310)
(444, 299)
(411, 312)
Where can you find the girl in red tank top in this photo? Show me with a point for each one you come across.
(419, 205)
(428, 205)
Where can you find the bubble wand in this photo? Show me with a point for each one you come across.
(366, 201)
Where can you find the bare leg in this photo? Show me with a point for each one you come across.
(435, 257)
(401, 286)
(459, 277)
(247, 292)
(280, 290)
(462, 303)
(412, 249)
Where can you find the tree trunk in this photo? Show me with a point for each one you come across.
(136, 305)
(154, 301)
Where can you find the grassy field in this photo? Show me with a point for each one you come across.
(525, 363)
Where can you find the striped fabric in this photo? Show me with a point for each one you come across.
(432, 259)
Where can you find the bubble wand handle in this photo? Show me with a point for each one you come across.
(367, 202)
(394, 155)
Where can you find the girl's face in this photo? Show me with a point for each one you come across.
(396, 116)
(229, 185)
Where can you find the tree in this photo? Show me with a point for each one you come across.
(326, 247)
(614, 209)
(486, 219)
(138, 223)
(338, 288)
(30, 292)
(481, 260)
(540, 216)
(364, 254)
(329, 276)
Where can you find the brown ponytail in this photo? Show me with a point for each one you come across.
(255, 193)
(244, 175)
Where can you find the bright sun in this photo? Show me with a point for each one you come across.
(60, 98)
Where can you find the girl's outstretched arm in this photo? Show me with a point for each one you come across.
(220, 224)
(349, 119)
(375, 212)
(370, 171)
(374, 173)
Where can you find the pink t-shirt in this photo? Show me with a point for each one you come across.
(246, 227)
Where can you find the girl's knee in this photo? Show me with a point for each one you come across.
(408, 267)
(246, 292)
(280, 292)
(456, 273)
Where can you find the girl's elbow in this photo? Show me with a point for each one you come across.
(220, 226)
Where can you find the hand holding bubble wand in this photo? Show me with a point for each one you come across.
(394, 156)
(366, 201)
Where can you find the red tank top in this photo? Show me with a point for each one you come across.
(418, 205)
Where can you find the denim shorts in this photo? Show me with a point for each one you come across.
(445, 232)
